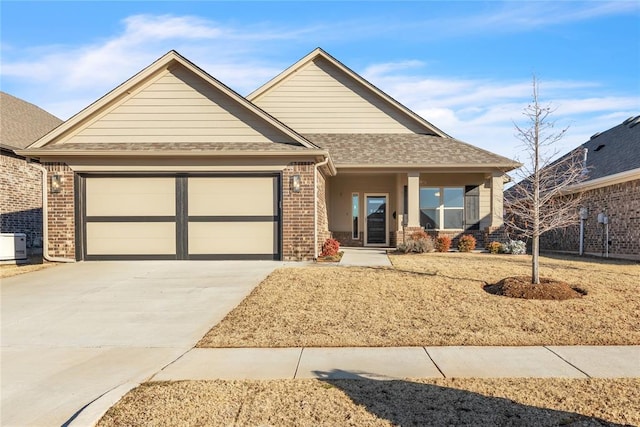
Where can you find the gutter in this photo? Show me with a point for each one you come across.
(170, 153)
(315, 204)
(45, 218)
(604, 181)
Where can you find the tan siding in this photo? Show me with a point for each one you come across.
(179, 107)
(319, 98)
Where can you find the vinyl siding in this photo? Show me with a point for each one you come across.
(319, 98)
(177, 106)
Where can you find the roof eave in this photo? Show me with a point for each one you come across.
(604, 181)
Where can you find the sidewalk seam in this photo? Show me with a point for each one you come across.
(295, 374)
(434, 362)
(566, 361)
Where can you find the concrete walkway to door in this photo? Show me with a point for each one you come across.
(73, 333)
(365, 257)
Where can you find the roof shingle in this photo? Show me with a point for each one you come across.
(23, 123)
(377, 150)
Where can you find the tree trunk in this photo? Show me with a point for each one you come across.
(535, 262)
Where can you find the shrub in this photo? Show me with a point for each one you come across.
(443, 244)
(419, 235)
(467, 243)
(515, 247)
(495, 247)
(330, 247)
(419, 242)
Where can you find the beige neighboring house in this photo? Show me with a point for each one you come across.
(21, 123)
(173, 164)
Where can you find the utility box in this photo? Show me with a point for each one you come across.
(13, 248)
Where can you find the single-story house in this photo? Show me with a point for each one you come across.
(21, 123)
(173, 164)
(610, 197)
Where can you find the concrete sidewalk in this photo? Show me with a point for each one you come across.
(365, 257)
(386, 363)
(406, 362)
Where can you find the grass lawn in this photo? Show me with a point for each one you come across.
(9, 270)
(434, 299)
(436, 402)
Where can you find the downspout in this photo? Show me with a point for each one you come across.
(45, 218)
(315, 205)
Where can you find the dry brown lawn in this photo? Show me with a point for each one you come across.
(434, 299)
(526, 402)
(9, 270)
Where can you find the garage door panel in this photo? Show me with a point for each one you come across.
(234, 238)
(153, 196)
(131, 238)
(232, 196)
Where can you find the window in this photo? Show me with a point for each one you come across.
(442, 207)
(355, 209)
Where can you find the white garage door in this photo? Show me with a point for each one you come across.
(181, 217)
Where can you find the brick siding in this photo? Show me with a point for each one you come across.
(21, 200)
(323, 216)
(297, 213)
(621, 203)
(61, 221)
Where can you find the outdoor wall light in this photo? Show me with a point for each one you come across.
(56, 183)
(296, 183)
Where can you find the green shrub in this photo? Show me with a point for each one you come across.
(467, 243)
(443, 244)
(495, 247)
(330, 247)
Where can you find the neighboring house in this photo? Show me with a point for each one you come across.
(173, 164)
(611, 191)
(21, 123)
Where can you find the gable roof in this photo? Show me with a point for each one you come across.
(406, 150)
(54, 141)
(22, 122)
(351, 76)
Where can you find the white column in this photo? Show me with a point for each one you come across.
(413, 194)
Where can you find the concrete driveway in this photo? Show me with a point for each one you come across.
(74, 332)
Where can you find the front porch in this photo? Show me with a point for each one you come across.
(381, 209)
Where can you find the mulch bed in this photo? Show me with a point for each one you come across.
(521, 287)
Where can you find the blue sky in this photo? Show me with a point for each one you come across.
(464, 66)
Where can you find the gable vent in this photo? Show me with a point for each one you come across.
(599, 147)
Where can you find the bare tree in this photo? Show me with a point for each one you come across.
(541, 202)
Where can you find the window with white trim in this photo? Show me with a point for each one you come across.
(442, 208)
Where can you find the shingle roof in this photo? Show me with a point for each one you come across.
(615, 150)
(405, 150)
(175, 146)
(22, 123)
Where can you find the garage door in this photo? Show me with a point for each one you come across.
(181, 217)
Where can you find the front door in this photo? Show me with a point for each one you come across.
(376, 224)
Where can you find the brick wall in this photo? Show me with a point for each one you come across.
(323, 216)
(61, 220)
(621, 203)
(21, 200)
(297, 213)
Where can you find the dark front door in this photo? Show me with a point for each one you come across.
(376, 220)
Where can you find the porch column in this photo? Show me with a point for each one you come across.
(413, 196)
(497, 198)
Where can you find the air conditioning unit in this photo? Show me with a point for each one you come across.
(13, 248)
